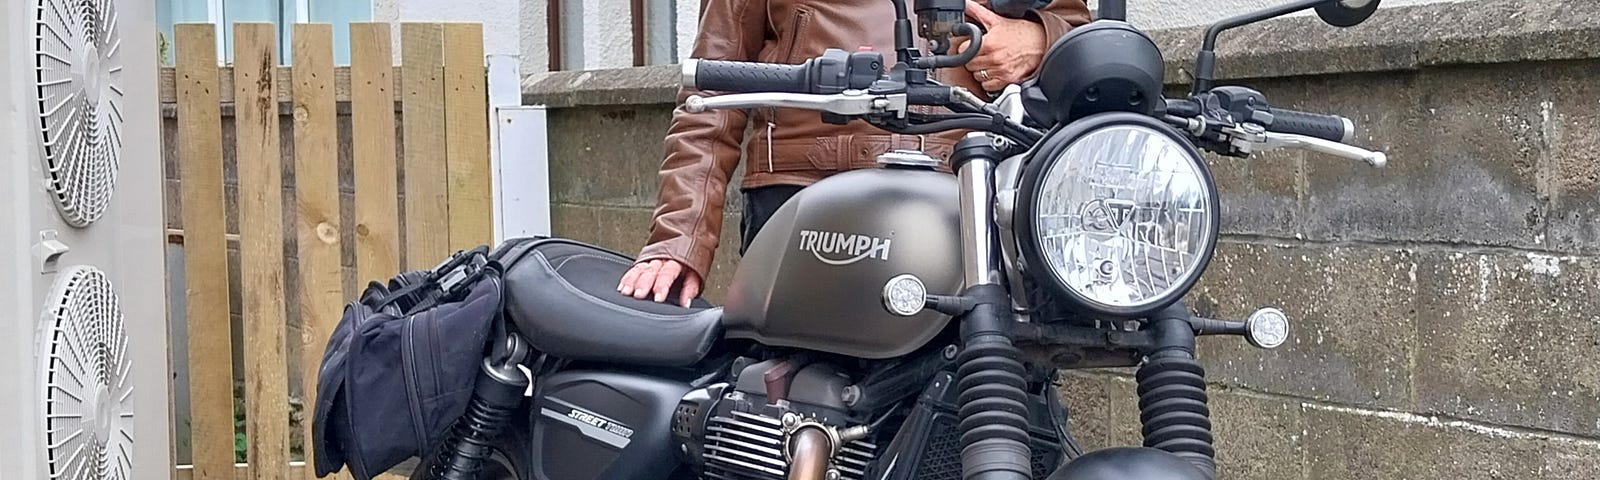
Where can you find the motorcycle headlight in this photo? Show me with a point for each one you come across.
(1118, 213)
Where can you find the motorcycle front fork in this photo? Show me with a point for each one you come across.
(1173, 410)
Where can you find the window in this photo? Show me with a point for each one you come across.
(585, 34)
(284, 13)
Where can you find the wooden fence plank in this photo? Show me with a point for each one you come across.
(341, 83)
(467, 128)
(426, 187)
(261, 250)
(373, 141)
(205, 251)
(316, 156)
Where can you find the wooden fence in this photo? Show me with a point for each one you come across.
(445, 199)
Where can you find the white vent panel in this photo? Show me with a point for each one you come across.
(87, 392)
(78, 74)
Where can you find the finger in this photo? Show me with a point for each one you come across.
(647, 279)
(665, 277)
(994, 85)
(691, 288)
(626, 287)
(960, 47)
(982, 62)
(983, 15)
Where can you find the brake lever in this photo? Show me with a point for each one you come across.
(853, 102)
(1328, 147)
(1250, 138)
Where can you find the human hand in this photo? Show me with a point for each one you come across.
(1011, 50)
(658, 277)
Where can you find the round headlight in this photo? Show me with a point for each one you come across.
(1119, 213)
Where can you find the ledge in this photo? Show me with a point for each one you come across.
(1395, 39)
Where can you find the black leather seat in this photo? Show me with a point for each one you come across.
(562, 296)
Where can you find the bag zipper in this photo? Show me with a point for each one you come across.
(409, 353)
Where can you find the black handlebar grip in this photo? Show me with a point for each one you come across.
(1326, 127)
(727, 76)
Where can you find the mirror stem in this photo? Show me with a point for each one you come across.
(903, 44)
(1114, 10)
(1206, 65)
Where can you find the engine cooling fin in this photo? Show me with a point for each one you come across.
(746, 446)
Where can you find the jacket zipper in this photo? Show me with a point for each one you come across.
(770, 126)
(801, 16)
(410, 355)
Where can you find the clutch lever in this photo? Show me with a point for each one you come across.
(852, 102)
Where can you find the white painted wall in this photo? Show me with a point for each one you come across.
(501, 19)
(534, 37)
(688, 26)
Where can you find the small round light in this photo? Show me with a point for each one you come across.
(905, 295)
(1268, 328)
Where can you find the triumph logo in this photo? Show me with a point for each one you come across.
(836, 248)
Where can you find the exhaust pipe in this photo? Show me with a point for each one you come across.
(810, 447)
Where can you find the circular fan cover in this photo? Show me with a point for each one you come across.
(88, 409)
(78, 70)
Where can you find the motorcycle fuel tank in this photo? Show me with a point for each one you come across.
(814, 278)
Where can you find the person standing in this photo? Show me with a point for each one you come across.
(791, 149)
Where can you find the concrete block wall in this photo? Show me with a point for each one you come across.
(1446, 314)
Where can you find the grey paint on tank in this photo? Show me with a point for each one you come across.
(814, 277)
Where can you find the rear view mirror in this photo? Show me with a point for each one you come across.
(1346, 13)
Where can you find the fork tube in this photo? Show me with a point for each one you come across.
(994, 433)
(976, 174)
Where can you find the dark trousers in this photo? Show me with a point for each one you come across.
(759, 205)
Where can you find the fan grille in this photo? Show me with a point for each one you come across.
(78, 71)
(88, 409)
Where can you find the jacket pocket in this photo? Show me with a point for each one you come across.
(797, 27)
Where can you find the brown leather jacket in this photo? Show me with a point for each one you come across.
(786, 146)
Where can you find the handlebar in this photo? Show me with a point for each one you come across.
(1327, 127)
(746, 76)
(854, 103)
(833, 72)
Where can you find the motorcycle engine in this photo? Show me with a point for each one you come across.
(740, 431)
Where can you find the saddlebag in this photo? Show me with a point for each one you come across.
(401, 364)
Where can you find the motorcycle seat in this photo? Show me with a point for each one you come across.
(563, 297)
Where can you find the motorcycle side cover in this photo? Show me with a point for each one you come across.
(590, 425)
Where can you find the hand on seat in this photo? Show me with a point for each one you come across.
(657, 277)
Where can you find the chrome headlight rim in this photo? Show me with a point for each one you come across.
(1035, 265)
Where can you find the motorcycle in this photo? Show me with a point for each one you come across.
(900, 322)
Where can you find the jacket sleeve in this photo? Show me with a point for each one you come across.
(702, 149)
(1060, 17)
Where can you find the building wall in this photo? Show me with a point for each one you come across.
(607, 41)
(1445, 321)
(501, 19)
(1180, 13)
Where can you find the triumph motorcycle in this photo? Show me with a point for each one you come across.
(903, 323)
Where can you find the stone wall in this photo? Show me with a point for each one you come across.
(1446, 321)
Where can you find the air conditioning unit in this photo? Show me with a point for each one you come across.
(83, 327)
